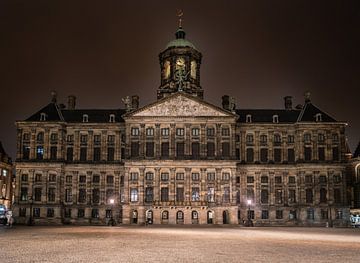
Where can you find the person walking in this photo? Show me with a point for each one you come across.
(9, 218)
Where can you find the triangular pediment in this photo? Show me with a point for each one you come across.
(180, 105)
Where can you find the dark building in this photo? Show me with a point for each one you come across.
(6, 182)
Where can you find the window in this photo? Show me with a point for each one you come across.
(149, 194)
(82, 179)
(277, 155)
(149, 176)
(210, 132)
(211, 176)
(249, 139)
(42, 116)
(279, 214)
(134, 176)
(225, 132)
(210, 147)
(112, 118)
(277, 139)
(149, 149)
(180, 194)
(53, 137)
(39, 152)
(83, 138)
(165, 132)
(23, 194)
(111, 139)
(335, 153)
(195, 194)
(238, 197)
(309, 196)
(275, 119)
(226, 195)
(310, 214)
(165, 149)
(70, 138)
(97, 139)
(165, 215)
(337, 196)
(264, 196)
(263, 139)
(321, 153)
(110, 154)
(95, 213)
(85, 118)
(68, 179)
(69, 154)
(335, 138)
(83, 154)
(26, 137)
(292, 215)
(307, 153)
(226, 176)
(180, 149)
(180, 131)
(81, 213)
(250, 179)
(238, 179)
(135, 131)
(164, 176)
(251, 214)
(96, 179)
(134, 195)
(164, 194)
(291, 138)
(318, 117)
(36, 212)
(135, 149)
(323, 193)
(307, 137)
(337, 178)
(22, 212)
(292, 196)
(194, 215)
(321, 138)
(250, 194)
(322, 179)
(195, 150)
(264, 179)
(97, 153)
(26, 152)
(38, 192)
(109, 179)
(324, 214)
(109, 195)
(338, 214)
(50, 212)
(51, 194)
(278, 196)
(82, 195)
(149, 131)
(195, 176)
(291, 155)
(225, 149)
(211, 194)
(195, 131)
(264, 214)
(248, 118)
(38, 177)
(68, 195)
(263, 155)
(250, 155)
(308, 179)
(67, 212)
(24, 177)
(40, 137)
(180, 176)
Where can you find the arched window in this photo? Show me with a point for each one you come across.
(112, 118)
(318, 117)
(194, 215)
(248, 118)
(85, 118)
(165, 215)
(275, 119)
(42, 116)
(180, 215)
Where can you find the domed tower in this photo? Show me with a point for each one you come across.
(180, 67)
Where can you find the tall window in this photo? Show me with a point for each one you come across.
(51, 194)
(135, 131)
(150, 132)
(39, 152)
(180, 132)
(82, 195)
(179, 176)
(277, 155)
(195, 150)
(83, 153)
(307, 137)
(337, 196)
(249, 155)
(180, 149)
(37, 194)
(97, 139)
(23, 193)
(226, 195)
(211, 194)
(40, 137)
(149, 176)
(180, 194)
(307, 153)
(263, 155)
(96, 154)
(109, 179)
(291, 155)
(134, 149)
(134, 195)
(195, 131)
(150, 149)
(69, 154)
(164, 176)
(164, 194)
(335, 153)
(249, 139)
(134, 176)
(321, 153)
(165, 149)
(96, 196)
(26, 152)
(278, 196)
(309, 196)
(149, 194)
(323, 193)
(110, 154)
(264, 196)
(292, 196)
(53, 152)
(211, 176)
(225, 132)
(277, 139)
(210, 149)
(165, 132)
(210, 132)
(68, 195)
(225, 149)
(195, 194)
(263, 139)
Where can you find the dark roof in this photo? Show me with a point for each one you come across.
(266, 115)
(3, 155)
(52, 113)
(357, 151)
(98, 116)
(309, 111)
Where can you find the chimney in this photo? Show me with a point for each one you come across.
(53, 96)
(71, 102)
(307, 97)
(288, 102)
(135, 102)
(228, 103)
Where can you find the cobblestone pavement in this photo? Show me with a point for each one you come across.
(178, 244)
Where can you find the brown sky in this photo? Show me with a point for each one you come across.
(256, 51)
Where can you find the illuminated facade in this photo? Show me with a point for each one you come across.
(181, 160)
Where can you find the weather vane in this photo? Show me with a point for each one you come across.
(180, 13)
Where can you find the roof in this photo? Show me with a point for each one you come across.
(52, 112)
(309, 111)
(180, 40)
(266, 115)
(94, 115)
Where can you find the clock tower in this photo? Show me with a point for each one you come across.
(180, 67)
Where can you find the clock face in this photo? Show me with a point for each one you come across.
(166, 70)
(180, 63)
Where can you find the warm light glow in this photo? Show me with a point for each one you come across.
(112, 201)
(249, 202)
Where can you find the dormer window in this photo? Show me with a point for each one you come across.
(85, 118)
(112, 118)
(42, 116)
(275, 119)
(318, 117)
(248, 118)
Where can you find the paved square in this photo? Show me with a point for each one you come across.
(178, 244)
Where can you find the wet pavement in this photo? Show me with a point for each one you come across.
(178, 244)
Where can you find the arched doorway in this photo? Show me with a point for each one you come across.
(164, 217)
(149, 217)
(134, 217)
(225, 217)
(194, 217)
(210, 217)
(179, 217)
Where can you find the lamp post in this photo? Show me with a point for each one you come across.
(112, 202)
(249, 222)
(31, 220)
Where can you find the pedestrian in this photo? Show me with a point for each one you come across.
(9, 218)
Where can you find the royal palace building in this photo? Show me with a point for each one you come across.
(181, 160)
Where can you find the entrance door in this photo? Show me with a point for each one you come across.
(225, 217)
(210, 216)
(149, 217)
(134, 217)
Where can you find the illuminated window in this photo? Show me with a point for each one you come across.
(193, 69)
(248, 118)
(42, 116)
(112, 118)
(318, 117)
(275, 119)
(166, 70)
(85, 118)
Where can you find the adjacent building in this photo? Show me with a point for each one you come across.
(181, 160)
(6, 179)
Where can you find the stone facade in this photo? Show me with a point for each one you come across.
(6, 176)
(181, 160)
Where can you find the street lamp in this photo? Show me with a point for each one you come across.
(249, 222)
(31, 220)
(112, 202)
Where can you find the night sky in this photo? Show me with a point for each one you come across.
(256, 51)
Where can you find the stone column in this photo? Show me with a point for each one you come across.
(157, 141)
(142, 141)
(202, 141)
(90, 144)
(218, 195)
(76, 149)
(187, 140)
(203, 189)
(172, 141)
(187, 185)
(232, 141)
(103, 146)
(33, 144)
(141, 186)
(47, 144)
(157, 185)
(218, 141)
(117, 146)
